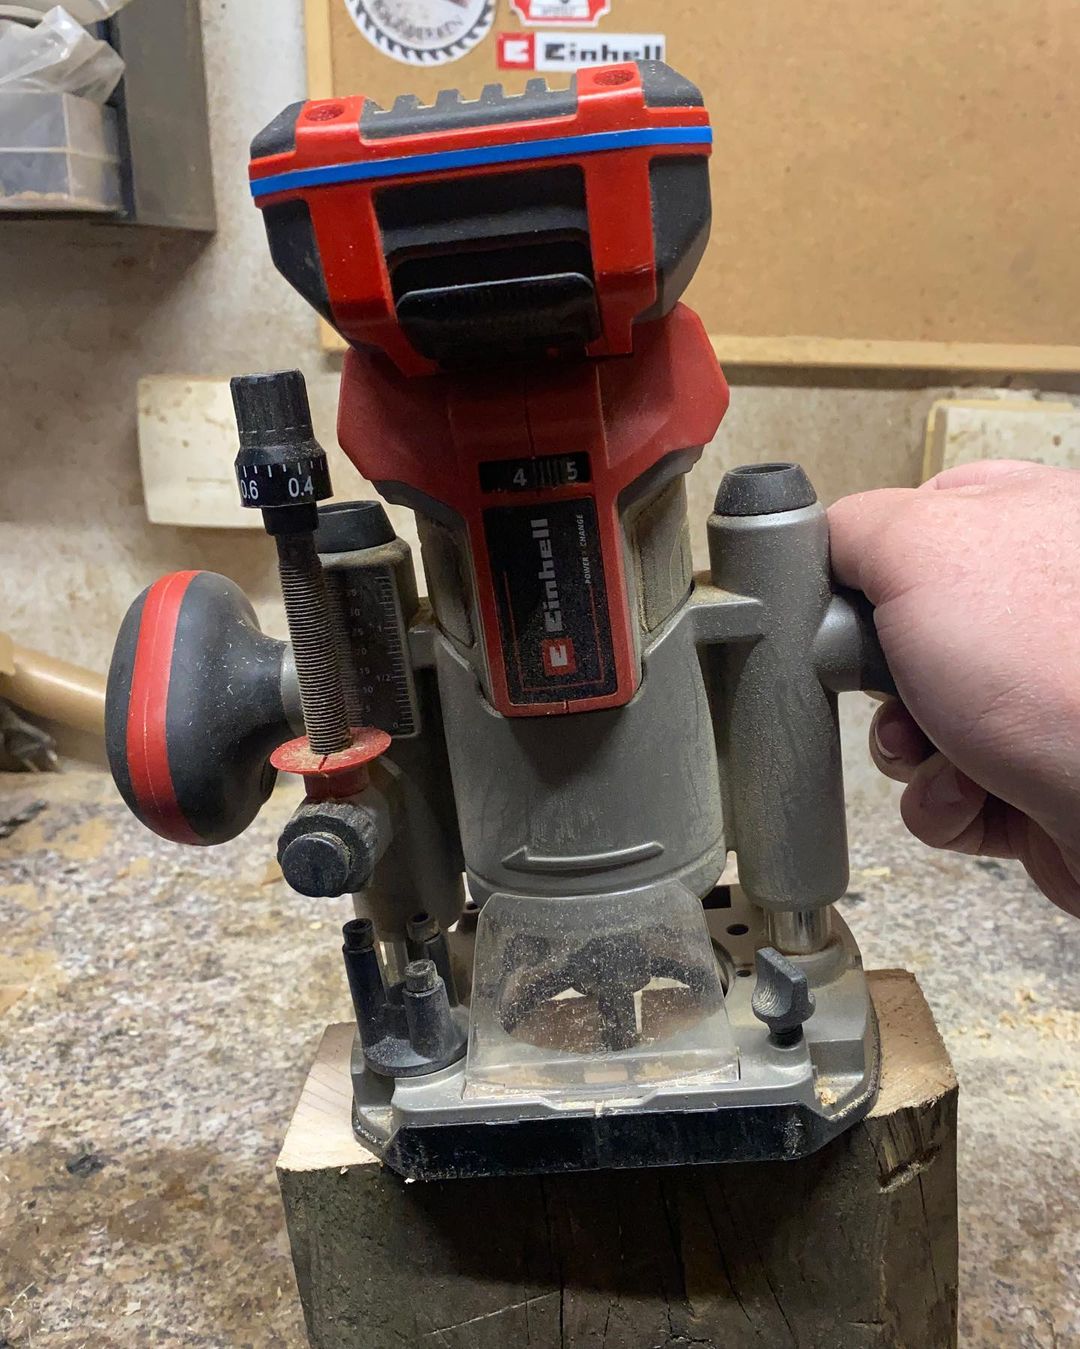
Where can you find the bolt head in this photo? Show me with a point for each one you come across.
(328, 848)
(318, 864)
(359, 935)
(421, 976)
(422, 927)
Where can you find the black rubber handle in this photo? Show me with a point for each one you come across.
(194, 708)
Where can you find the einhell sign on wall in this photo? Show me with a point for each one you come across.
(570, 51)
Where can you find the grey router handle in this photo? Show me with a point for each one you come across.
(777, 721)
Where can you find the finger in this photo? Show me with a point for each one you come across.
(1048, 866)
(897, 744)
(997, 831)
(1004, 830)
(979, 474)
(856, 524)
(940, 805)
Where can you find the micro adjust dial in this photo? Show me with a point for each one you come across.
(280, 464)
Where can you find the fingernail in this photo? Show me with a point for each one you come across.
(945, 790)
(889, 736)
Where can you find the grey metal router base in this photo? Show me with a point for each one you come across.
(785, 1103)
(542, 1146)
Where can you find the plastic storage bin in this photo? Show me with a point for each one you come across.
(57, 153)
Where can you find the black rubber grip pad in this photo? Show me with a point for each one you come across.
(218, 686)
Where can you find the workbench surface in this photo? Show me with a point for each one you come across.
(160, 1006)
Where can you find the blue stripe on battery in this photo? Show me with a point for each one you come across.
(559, 147)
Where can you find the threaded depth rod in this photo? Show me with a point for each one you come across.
(335, 591)
(314, 643)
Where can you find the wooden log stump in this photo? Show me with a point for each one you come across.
(855, 1246)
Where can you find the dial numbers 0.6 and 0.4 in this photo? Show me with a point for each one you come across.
(269, 485)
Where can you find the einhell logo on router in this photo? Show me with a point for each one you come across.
(570, 51)
(558, 656)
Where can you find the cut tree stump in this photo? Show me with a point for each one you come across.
(854, 1246)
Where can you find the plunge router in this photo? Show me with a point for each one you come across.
(575, 724)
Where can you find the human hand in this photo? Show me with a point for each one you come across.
(975, 576)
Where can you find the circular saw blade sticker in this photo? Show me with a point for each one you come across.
(560, 13)
(423, 32)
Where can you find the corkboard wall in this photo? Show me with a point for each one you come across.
(892, 184)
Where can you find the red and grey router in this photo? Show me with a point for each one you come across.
(530, 783)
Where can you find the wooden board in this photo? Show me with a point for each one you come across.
(853, 1247)
(965, 430)
(892, 186)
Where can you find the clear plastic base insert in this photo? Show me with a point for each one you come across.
(596, 996)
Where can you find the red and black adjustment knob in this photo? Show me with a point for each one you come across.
(194, 707)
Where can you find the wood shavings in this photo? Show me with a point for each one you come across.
(872, 874)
